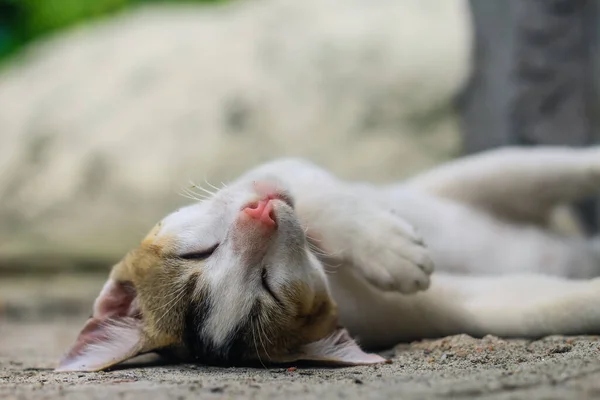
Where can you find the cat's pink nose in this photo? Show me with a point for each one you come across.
(262, 211)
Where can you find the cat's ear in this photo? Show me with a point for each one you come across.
(111, 335)
(338, 349)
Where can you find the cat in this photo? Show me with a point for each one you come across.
(289, 263)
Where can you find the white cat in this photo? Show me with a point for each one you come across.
(289, 263)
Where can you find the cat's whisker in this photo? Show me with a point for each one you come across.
(210, 184)
(185, 195)
(201, 188)
(194, 199)
(316, 249)
(191, 189)
(265, 334)
(312, 243)
(176, 287)
(314, 239)
(177, 297)
(180, 294)
(211, 194)
(252, 323)
(263, 344)
(189, 194)
(320, 252)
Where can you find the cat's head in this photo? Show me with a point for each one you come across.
(228, 280)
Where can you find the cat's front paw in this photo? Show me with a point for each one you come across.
(391, 255)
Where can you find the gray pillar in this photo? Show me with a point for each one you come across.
(534, 79)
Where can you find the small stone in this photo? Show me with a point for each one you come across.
(560, 349)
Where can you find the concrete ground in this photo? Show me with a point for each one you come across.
(40, 317)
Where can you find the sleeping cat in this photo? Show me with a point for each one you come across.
(289, 263)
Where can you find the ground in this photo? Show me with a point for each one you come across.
(40, 317)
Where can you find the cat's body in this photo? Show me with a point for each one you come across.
(483, 219)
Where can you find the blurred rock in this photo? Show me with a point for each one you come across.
(102, 126)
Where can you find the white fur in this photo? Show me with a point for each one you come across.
(504, 181)
(232, 281)
(351, 222)
(226, 315)
(482, 220)
(467, 233)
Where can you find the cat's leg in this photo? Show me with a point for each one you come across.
(526, 306)
(519, 184)
(352, 226)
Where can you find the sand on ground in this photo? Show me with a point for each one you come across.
(40, 317)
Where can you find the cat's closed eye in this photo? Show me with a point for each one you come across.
(199, 255)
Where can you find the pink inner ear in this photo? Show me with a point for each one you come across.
(340, 349)
(116, 299)
(111, 335)
(103, 343)
(92, 332)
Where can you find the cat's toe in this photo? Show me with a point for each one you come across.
(425, 263)
(397, 272)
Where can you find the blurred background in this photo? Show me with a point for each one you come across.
(109, 108)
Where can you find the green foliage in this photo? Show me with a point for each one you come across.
(24, 20)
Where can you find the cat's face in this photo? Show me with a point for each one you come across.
(228, 280)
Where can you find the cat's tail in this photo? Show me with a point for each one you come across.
(515, 305)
